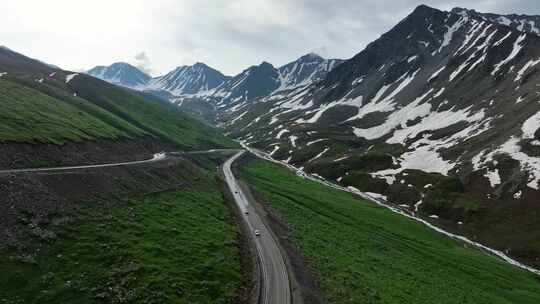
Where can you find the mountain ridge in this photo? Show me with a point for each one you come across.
(194, 79)
(521, 22)
(121, 73)
(209, 85)
(440, 97)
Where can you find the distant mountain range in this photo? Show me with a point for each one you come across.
(204, 82)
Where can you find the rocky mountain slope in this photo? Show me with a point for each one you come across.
(253, 82)
(122, 74)
(440, 115)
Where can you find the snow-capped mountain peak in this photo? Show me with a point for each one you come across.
(262, 80)
(255, 81)
(183, 80)
(121, 73)
(311, 56)
(305, 70)
(194, 79)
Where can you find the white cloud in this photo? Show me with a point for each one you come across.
(143, 62)
(226, 34)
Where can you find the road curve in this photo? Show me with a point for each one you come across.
(156, 157)
(275, 288)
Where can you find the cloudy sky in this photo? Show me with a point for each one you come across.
(230, 35)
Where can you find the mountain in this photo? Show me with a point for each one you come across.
(523, 23)
(440, 115)
(200, 84)
(186, 80)
(305, 70)
(265, 80)
(255, 81)
(81, 118)
(122, 74)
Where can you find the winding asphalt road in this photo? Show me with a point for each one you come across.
(156, 157)
(275, 288)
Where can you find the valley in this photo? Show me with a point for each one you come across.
(408, 173)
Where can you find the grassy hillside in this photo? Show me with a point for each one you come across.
(178, 246)
(53, 111)
(29, 115)
(149, 113)
(363, 253)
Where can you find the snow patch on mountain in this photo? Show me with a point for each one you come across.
(493, 177)
(528, 163)
(424, 155)
(450, 32)
(512, 148)
(530, 126)
(319, 155)
(397, 118)
(435, 121)
(515, 51)
(281, 132)
(531, 63)
(386, 104)
(70, 77)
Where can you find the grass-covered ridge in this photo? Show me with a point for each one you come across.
(29, 115)
(363, 253)
(176, 247)
(52, 111)
(155, 116)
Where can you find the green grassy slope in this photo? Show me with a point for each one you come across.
(49, 112)
(29, 115)
(174, 247)
(149, 113)
(363, 253)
